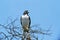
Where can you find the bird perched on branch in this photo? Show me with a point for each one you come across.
(25, 21)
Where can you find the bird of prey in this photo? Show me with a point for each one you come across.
(25, 20)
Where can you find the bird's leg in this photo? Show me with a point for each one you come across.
(26, 28)
(28, 35)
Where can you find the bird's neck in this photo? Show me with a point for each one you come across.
(26, 14)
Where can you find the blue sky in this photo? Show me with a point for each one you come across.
(43, 12)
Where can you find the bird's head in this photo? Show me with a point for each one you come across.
(25, 12)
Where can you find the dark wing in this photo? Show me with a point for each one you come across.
(29, 21)
(21, 20)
